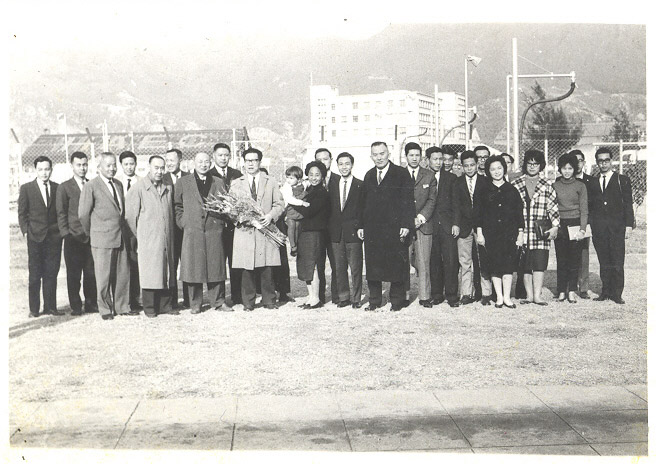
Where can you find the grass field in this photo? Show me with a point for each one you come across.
(295, 352)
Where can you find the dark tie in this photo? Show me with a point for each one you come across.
(129, 180)
(111, 183)
(224, 173)
(84, 181)
(344, 196)
(603, 187)
(471, 189)
(414, 177)
(380, 176)
(253, 191)
(47, 195)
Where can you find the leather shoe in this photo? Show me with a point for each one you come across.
(129, 313)
(173, 312)
(511, 306)
(54, 312)
(196, 310)
(454, 304)
(584, 296)
(486, 300)
(438, 300)
(34, 315)
(315, 306)
(91, 309)
(356, 305)
(343, 304)
(602, 298)
(107, 317)
(371, 307)
(249, 308)
(618, 300)
(465, 300)
(223, 308)
(396, 307)
(284, 298)
(426, 303)
(405, 303)
(270, 306)
(497, 305)
(76, 312)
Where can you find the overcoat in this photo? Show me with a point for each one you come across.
(543, 205)
(149, 215)
(202, 257)
(387, 208)
(251, 249)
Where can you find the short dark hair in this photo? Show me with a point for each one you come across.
(431, 150)
(379, 143)
(448, 151)
(41, 159)
(79, 155)
(252, 150)
(176, 151)
(265, 171)
(468, 154)
(568, 158)
(316, 164)
(602, 151)
(536, 156)
(482, 147)
(319, 150)
(294, 171)
(577, 153)
(346, 154)
(512, 160)
(495, 159)
(150, 160)
(127, 154)
(221, 145)
(412, 146)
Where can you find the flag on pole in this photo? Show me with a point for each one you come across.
(473, 60)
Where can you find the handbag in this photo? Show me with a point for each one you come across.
(542, 227)
(522, 256)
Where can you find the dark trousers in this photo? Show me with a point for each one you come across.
(321, 269)
(235, 274)
(609, 245)
(476, 277)
(79, 265)
(396, 294)
(568, 257)
(133, 262)
(215, 294)
(348, 255)
(157, 301)
(248, 280)
(43, 259)
(177, 250)
(584, 273)
(281, 279)
(444, 266)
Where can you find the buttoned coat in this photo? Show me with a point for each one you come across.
(543, 205)
(35, 218)
(251, 249)
(425, 197)
(466, 202)
(68, 201)
(102, 219)
(149, 215)
(345, 223)
(611, 210)
(202, 257)
(446, 213)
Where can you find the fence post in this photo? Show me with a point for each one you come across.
(621, 150)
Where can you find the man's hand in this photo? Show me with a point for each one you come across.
(403, 233)
(455, 231)
(553, 233)
(417, 223)
(266, 220)
(361, 234)
(628, 232)
(480, 239)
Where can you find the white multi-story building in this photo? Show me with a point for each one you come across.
(353, 122)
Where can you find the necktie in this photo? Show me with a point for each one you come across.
(111, 183)
(603, 187)
(414, 178)
(47, 195)
(129, 180)
(471, 188)
(325, 182)
(253, 191)
(344, 195)
(84, 181)
(380, 176)
(224, 173)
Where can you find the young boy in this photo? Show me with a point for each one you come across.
(293, 193)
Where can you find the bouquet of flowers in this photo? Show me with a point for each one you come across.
(243, 211)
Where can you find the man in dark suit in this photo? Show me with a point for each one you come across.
(387, 216)
(128, 161)
(465, 188)
(102, 215)
(37, 218)
(77, 250)
(324, 156)
(173, 159)
(227, 175)
(425, 195)
(584, 273)
(444, 251)
(611, 220)
(345, 206)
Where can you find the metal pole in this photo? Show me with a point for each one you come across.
(621, 149)
(466, 109)
(508, 113)
(132, 140)
(437, 118)
(66, 138)
(515, 104)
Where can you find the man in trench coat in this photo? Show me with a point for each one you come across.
(252, 251)
(388, 215)
(203, 260)
(149, 214)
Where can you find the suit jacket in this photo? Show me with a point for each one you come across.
(35, 218)
(68, 201)
(446, 212)
(232, 175)
(123, 179)
(166, 179)
(332, 180)
(347, 222)
(612, 209)
(101, 218)
(464, 202)
(425, 197)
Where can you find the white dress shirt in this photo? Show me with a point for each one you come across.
(111, 191)
(78, 181)
(250, 178)
(608, 176)
(42, 189)
(383, 172)
(344, 181)
(414, 171)
(133, 180)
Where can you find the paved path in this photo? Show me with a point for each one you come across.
(610, 420)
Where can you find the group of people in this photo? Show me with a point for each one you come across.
(464, 235)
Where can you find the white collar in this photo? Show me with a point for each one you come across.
(383, 172)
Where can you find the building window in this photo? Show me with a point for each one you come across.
(379, 131)
(367, 131)
(367, 117)
(332, 107)
(355, 119)
(355, 131)
(402, 103)
(390, 103)
(355, 105)
(343, 119)
(333, 119)
(401, 130)
(334, 132)
(366, 105)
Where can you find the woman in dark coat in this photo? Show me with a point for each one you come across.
(500, 225)
(311, 239)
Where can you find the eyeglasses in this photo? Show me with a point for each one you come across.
(603, 161)
(254, 160)
(532, 164)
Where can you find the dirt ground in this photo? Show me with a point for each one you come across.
(295, 352)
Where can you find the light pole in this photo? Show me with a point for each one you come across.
(475, 61)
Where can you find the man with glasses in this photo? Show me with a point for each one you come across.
(584, 273)
(611, 219)
(482, 154)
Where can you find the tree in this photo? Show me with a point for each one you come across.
(623, 128)
(550, 122)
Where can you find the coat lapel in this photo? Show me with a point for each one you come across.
(105, 189)
(38, 193)
(261, 186)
